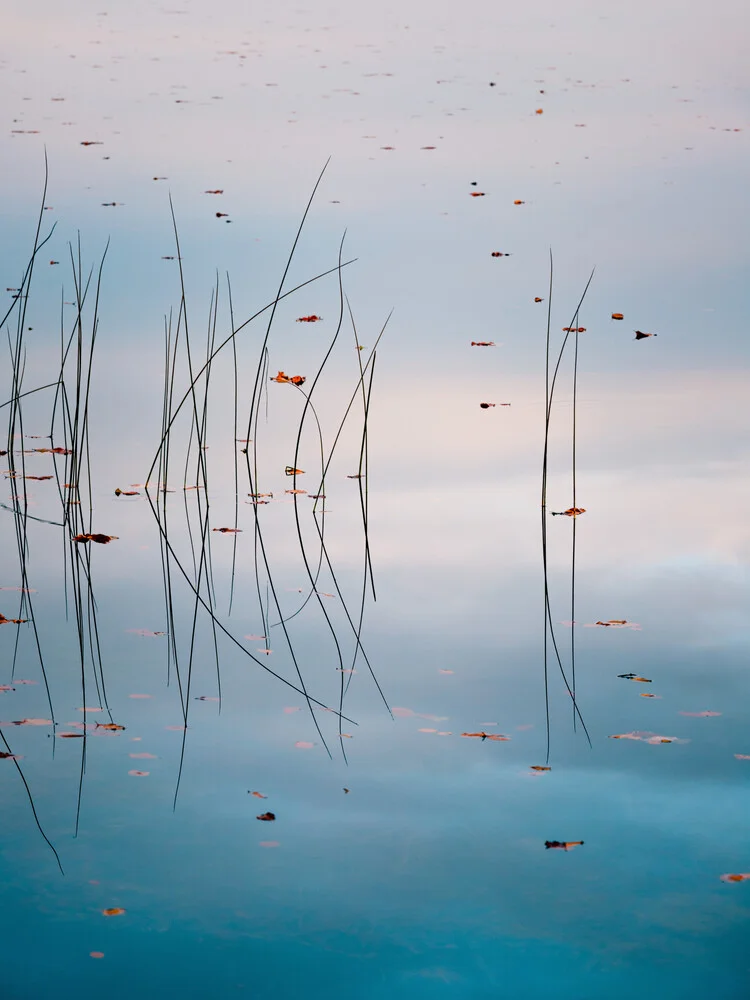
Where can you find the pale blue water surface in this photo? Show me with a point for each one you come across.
(429, 877)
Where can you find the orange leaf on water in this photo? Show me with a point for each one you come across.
(488, 736)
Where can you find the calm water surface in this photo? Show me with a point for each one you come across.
(404, 858)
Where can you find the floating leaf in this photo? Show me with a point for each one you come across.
(540, 767)
(701, 715)
(310, 319)
(258, 795)
(110, 727)
(293, 379)
(562, 845)
(113, 911)
(537, 299)
(486, 406)
(12, 621)
(139, 774)
(267, 817)
(30, 722)
(639, 335)
(232, 531)
(570, 512)
(483, 343)
(488, 736)
(289, 470)
(476, 194)
(101, 539)
(738, 877)
(617, 316)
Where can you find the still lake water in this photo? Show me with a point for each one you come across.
(411, 861)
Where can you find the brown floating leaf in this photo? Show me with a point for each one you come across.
(215, 191)
(539, 111)
(496, 253)
(139, 774)
(290, 379)
(540, 767)
(574, 329)
(519, 202)
(267, 817)
(310, 319)
(126, 493)
(113, 911)
(639, 335)
(570, 512)
(232, 531)
(12, 621)
(562, 845)
(101, 539)
(291, 471)
(258, 795)
(53, 451)
(486, 406)
(96, 954)
(476, 194)
(483, 343)
(617, 316)
(488, 736)
(110, 727)
(737, 877)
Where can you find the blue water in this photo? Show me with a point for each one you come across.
(410, 860)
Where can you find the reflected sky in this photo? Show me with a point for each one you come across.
(428, 877)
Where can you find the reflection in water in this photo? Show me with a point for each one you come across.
(69, 423)
(229, 629)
